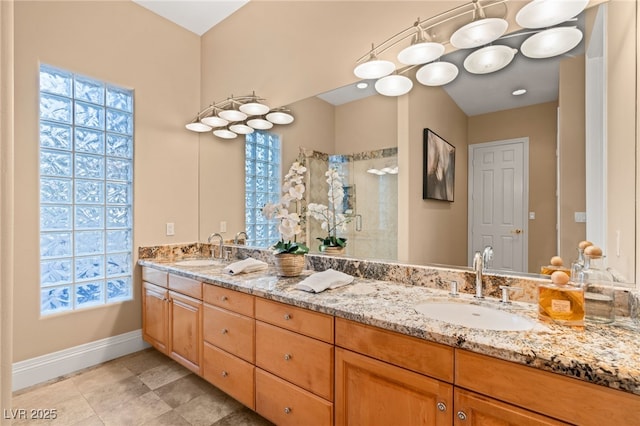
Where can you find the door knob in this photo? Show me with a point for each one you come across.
(517, 231)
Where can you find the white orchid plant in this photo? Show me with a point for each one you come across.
(289, 210)
(329, 215)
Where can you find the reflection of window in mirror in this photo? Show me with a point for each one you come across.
(262, 186)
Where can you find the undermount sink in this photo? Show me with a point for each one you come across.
(197, 262)
(474, 316)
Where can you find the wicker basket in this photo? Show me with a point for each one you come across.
(289, 265)
(334, 250)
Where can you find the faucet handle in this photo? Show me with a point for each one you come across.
(454, 289)
(505, 292)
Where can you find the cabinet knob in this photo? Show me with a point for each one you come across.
(287, 317)
(287, 410)
(224, 298)
(225, 374)
(224, 331)
(442, 406)
(462, 416)
(287, 357)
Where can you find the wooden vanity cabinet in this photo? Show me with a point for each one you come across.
(172, 316)
(229, 335)
(294, 364)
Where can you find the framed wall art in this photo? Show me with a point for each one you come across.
(439, 167)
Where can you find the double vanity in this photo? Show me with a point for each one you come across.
(373, 352)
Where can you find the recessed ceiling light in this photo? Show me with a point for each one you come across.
(362, 85)
(519, 92)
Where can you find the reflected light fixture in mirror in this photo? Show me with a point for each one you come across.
(227, 121)
(479, 23)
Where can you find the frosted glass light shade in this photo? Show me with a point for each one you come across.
(393, 85)
(254, 108)
(197, 127)
(214, 121)
(551, 42)
(479, 33)
(437, 73)
(241, 129)
(232, 115)
(260, 124)
(375, 68)
(420, 53)
(547, 13)
(489, 59)
(225, 134)
(280, 117)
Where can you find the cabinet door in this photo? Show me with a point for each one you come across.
(185, 319)
(472, 409)
(155, 312)
(371, 392)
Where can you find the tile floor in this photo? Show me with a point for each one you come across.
(144, 388)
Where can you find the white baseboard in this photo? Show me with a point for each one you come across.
(46, 367)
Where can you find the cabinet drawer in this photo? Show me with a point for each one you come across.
(230, 331)
(154, 276)
(286, 404)
(229, 299)
(301, 360)
(546, 393)
(303, 321)
(230, 374)
(186, 286)
(424, 357)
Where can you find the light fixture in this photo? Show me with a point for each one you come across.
(421, 50)
(489, 59)
(362, 85)
(547, 13)
(479, 33)
(551, 42)
(260, 124)
(196, 126)
(479, 24)
(393, 85)
(519, 92)
(437, 73)
(280, 116)
(239, 115)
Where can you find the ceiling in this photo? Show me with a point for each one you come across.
(474, 94)
(197, 16)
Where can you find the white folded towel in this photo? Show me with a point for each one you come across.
(320, 281)
(245, 266)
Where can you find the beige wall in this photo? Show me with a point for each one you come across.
(366, 125)
(571, 156)
(437, 230)
(622, 74)
(538, 123)
(126, 45)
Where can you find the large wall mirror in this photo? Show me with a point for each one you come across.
(363, 129)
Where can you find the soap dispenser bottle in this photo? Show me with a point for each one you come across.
(561, 301)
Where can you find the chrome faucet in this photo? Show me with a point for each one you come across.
(480, 260)
(211, 237)
(237, 237)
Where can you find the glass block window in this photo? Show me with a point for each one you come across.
(86, 198)
(262, 186)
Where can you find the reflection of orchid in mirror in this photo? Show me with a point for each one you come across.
(289, 211)
(331, 219)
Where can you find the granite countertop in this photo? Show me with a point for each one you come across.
(607, 355)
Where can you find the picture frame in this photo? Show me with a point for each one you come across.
(438, 180)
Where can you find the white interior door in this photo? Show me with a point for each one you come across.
(498, 202)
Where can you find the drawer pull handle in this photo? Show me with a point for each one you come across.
(442, 406)
(225, 331)
(225, 374)
(224, 298)
(287, 317)
(462, 416)
(287, 410)
(287, 357)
